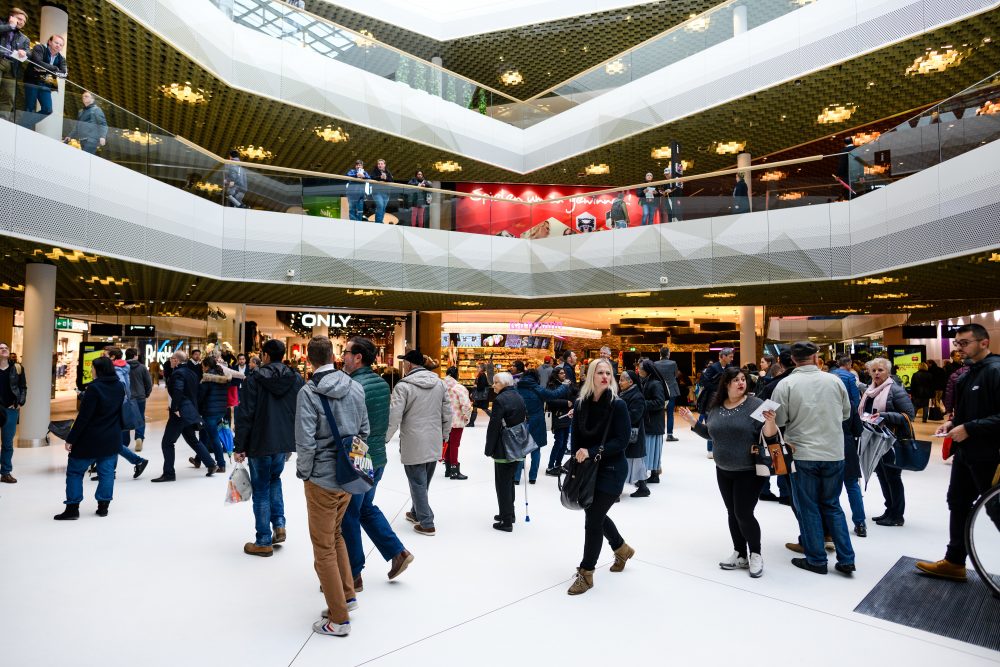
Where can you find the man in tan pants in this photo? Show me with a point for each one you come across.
(326, 501)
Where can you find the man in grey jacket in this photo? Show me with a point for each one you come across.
(668, 370)
(316, 465)
(142, 387)
(421, 412)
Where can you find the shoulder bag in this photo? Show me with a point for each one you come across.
(908, 453)
(577, 492)
(772, 458)
(517, 440)
(353, 465)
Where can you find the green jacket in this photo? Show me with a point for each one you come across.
(377, 402)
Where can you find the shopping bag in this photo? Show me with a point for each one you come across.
(238, 489)
(226, 437)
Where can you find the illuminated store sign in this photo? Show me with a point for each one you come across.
(325, 320)
(557, 329)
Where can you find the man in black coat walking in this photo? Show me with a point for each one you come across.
(184, 418)
(668, 372)
(265, 433)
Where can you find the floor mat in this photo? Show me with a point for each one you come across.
(967, 612)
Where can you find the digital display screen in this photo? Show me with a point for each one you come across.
(494, 340)
(907, 359)
(445, 340)
(469, 340)
(513, 340)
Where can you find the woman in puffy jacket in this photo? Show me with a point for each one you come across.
(213, 401)
(461, 410)
(534, 396)
(887, 399)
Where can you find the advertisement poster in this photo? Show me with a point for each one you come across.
(907, 360)
(321, 197)
(544, 218)
(88, 352)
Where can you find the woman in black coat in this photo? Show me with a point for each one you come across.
(508, 410)
(601, 428)
(654, 391)
(562, 413)
(922, 389)
(96, 437)
(635, 453)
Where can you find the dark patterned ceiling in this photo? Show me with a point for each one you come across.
(545, 53)
(120, 60)
(938, 290)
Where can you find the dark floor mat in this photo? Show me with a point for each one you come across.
(967, 612)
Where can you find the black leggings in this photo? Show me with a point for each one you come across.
(596, 527)
(740, 492)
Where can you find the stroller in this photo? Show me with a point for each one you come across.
(60, 429)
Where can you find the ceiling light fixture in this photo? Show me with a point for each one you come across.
(898, 295)
(791, 196)
(884, 280)
(937, 60)
(845, 311)
(448, 166)
(636, 294)
(988, 109)
(71, 256)
(510, 76)
(836, 113)
(876, 169)
(596, 169)
(615, 67)
(185, 92)
(365, 292)
(661, 153)
(730, 147)
(252, 152)
(335, 135)
(915, 306)
(719, 295)
(210, 188)
(4, 287)
(364, 39)
(772, 176)
(141, 138)
(862, 138)
(698, 24)
(467, 303)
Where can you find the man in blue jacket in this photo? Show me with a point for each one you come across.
(184, 418)
(852, 430)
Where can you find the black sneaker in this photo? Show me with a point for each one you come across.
(889, 522)
(496, 517)
(848, 570)
(211, 471)
(861, 530)
(139, 468)
(552, 472)
(803, 564)
(671, 438)
(769, 496)
(164, 478)
(505, 527)
(195, 461)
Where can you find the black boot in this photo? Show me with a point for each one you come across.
(456, 472)
(448, 470)
(654, 478)
(102, 507)
(642, 491)
(72, 512)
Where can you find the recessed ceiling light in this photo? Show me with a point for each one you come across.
(730, 147)
(186, 93)
(335, 135)
(596, 169)
(937, 60)
(252, 152)
(447, 166)
(836, 113)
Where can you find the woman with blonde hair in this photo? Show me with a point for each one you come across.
(601, 428)
(887, 399)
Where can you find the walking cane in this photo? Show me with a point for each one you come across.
(527, 517)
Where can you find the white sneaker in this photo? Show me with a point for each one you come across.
(734, 562)
(756, 565)
(323, 627)
(710, 455)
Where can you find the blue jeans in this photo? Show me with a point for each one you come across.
(702, 418)
(7, 442)
(671, 404)
(857, 501)
(357, 211)
(268, 503)
(35, 97)
(381, 201)
(75, 470)
(536, 459)
(130, 456)
(817, 486)
(560, 442)
(210, 432)
(363, 513)
(648, 213)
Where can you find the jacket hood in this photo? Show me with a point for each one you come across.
(133, 362)
(120, 363)
(332, 385)
(992, 360)
(422, 378)
(278, 379)
(527, 381)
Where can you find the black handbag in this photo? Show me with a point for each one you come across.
(577, 492)
(909, 453)
(517, 441)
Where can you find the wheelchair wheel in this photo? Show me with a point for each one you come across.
(982, 539)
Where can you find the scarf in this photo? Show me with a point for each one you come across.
(594, 416)
(881, 394)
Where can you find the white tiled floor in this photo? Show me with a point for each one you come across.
(163, 580)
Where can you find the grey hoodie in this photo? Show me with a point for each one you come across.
(316, 461)
(421, 412)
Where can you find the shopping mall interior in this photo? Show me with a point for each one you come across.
(498, 184)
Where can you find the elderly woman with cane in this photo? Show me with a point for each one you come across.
(508, 410)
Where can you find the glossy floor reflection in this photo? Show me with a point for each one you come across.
(163, 580)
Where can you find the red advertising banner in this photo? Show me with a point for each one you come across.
(543, 218)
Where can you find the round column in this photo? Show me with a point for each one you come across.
(743, 162)
(55, 21)
(739, 20)
(434, 214)
(39, 344)
(748, 335)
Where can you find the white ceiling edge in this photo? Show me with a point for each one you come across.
(445, 20)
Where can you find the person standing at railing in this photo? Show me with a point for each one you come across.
(418, 200)
(355, 192)
(41, 78)
(236, 182)
(91, 126)
(741, 195)
(14, 47)
(381, 192)
(650, 198)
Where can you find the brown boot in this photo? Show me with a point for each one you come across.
(400, 562)
(279, 536)
(795, 546)
(252, 549)
(944, 569)
(622, 554)
(584, 582)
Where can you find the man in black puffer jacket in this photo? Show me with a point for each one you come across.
(975, 431)
(265, 433)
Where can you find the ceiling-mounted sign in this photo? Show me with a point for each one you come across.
(64, 323)
(140, 330)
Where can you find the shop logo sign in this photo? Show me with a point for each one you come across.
(325, 320)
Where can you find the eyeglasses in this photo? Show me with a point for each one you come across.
(961, 342)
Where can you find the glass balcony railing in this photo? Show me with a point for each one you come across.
(284, 22)
(957, 125)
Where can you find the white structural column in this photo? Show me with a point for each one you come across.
(739, 20)
(748, 335)
(55, 21)
(743, 162)
(434, 210)
(39, 344)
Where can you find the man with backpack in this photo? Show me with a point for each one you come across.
(265, 434)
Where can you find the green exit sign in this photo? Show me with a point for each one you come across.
(631, 349)
(64, 323)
